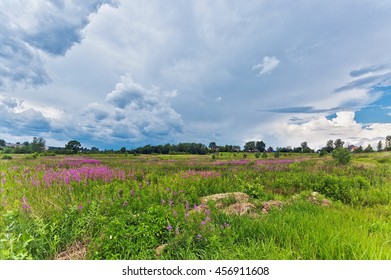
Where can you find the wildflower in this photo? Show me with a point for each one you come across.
(187, 215)
(141, 186)
(195, 207)
(125, 203)
(168, 189)
(187, 206)
(80, 207)
(207, 219)
(171, 202)
(169, 227)
(132, 193)
(175, 214)
(163, 201)
(203, 223)
(226, 225)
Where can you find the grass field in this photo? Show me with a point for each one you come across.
(161, 207)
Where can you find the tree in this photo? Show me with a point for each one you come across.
(260, 146)
(122, 150)
(387, 145)
(341, 155)
(249, 146)
(329, 146)
(73, 146)
(38, 145)
(212, 146)
(379, 146)
(368, 149)
(338, 143)
(2, 143)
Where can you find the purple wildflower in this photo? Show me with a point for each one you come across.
(125, 203)
(169, 227)
(132, 193)
(203, 223)
(163, 201)
(80, 207)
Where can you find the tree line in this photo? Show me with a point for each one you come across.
(38, 145)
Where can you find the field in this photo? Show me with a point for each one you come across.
(195, 207)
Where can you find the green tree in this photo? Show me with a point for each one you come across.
(212, 146)
(338, 143)
(379, 146)
(249, 146)
(2, 143)
(368, 149)
(73, 146)
(38, 145)
(329, 146)
(341, 155)
(260, 146)
(387, 145)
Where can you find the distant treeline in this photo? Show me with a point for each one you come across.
(38, 145)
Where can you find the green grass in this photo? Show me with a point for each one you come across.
(129, 217)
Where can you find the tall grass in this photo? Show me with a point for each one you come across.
(125, 207)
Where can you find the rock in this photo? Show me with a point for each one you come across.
(235, 196)
(159, 250)
(315, 198)
(240, 208)
(267, 205)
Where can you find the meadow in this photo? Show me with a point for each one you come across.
(298, 206)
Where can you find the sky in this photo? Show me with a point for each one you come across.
(114, 73)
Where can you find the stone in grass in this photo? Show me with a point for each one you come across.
(219, 197)
(240, 208)
(159, 250)
(268, 205)
(315, 198)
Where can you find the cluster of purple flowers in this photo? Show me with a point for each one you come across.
(202, 174)
(25, 205)
(84, 173)
(232, 162)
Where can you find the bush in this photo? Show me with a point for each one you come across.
(341, 156)
(6, 157)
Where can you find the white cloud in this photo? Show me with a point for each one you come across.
(79, 51)
(267, 65)
(320, 129)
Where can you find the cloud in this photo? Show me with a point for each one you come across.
(320, 129)
(267, 65)
(30, 30)
(129, 114)
(20, 122)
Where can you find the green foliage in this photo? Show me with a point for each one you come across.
(159, 202)
(6, 157)
(341, 156)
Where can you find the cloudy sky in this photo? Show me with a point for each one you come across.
(113, 73)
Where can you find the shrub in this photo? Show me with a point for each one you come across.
(341, 156)
(6, 157)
